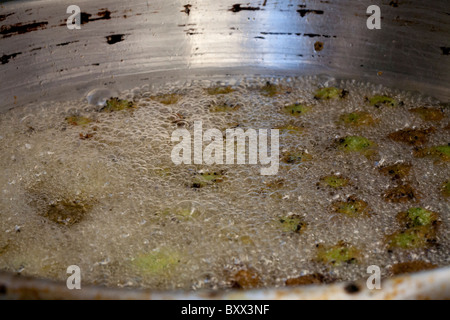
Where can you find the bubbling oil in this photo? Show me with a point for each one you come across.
(104, 194)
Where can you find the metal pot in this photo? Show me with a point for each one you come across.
(121, 45)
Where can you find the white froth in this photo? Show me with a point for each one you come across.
(125, 174)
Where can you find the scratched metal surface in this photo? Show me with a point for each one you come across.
(185, 39)
(125, 44)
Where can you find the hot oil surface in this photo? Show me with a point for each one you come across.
(99, 189)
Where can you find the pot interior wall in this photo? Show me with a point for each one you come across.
(125, 44)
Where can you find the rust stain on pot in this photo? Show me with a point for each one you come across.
(19, 28)
(187, 9)
(5, 58)
(238, 8)
(352, 288)
(304, 12)
(192, 33)
(276, 33)
(115, 38)
(394, 3)
(445, 51)
(66, 43)
(318, 46)
(102, 15)
(4, 16)
(412, 267)
(3, 289)
(311, 35)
